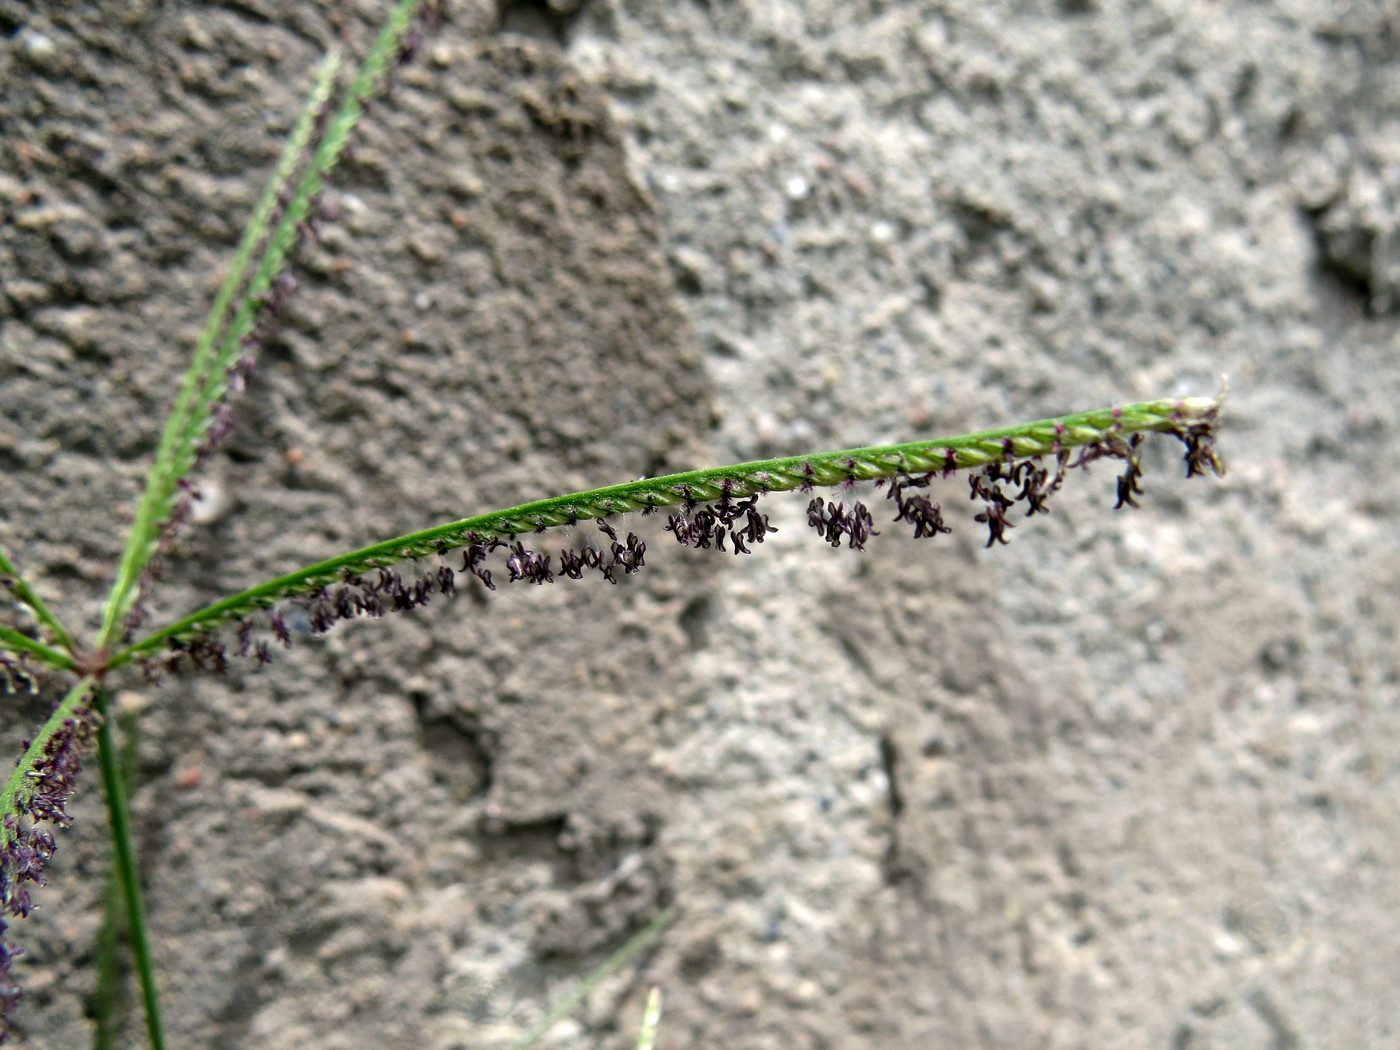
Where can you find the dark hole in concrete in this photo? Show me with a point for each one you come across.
(542, 19)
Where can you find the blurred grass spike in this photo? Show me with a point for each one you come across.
(620, 958)
(650, 1020)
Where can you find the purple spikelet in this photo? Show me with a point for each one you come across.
(996, 502)
(281, 630)
(1129, 481)
(918, 510)
(708, 526)
(834, 521)
(1200, 451)
(525, 564)
(25, 847)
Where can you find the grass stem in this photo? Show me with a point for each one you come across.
(119, 822)
(609, 966)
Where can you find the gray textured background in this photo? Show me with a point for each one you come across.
(1129, 782)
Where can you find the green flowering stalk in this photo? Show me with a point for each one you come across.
(1016, 465)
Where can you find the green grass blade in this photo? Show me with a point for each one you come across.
(119, 822)
(610, 966)
(1043, 438)
(19, 587)
(190, 417)
(21, 643)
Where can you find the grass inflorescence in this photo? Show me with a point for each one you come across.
(716, 508)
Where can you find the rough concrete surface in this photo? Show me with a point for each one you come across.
(1129, 781)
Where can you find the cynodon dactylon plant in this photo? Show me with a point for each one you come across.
(853, 496)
